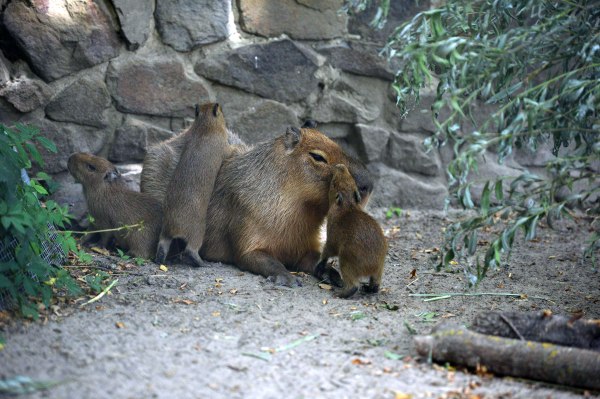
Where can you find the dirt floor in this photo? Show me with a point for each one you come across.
(217, 332)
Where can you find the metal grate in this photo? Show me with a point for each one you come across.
(51, 253)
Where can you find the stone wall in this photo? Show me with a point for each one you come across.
(112, 77)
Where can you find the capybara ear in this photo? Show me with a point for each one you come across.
(216, 109)
(292, 137)
(197, 110)
(339, 199)
(111, 175)
(357, 197)
(310, 124)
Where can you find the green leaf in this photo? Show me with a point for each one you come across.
(47, 144)
(485, 198)
(499, 191)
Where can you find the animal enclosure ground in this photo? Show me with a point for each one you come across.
(220, 333)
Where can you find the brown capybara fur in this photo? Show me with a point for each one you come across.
(269, 202)
(192, 183)
(113, 205)
(352, 235)
(161, 160)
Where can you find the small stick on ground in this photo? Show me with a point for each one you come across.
(512, 327)
(100, 295)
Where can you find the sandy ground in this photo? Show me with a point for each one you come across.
(217, 332)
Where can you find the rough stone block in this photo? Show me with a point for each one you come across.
(69, 138)
(134, 18)
(185, 24)
(157, 86)
(83, 101)
(357, 62)
(394, 187)
(299, 19)
(406, 152)
(349, 98)
(264, 121)
(400, 11)
(25, 94)
(60, 37)
(277, 70)
(133, 138)
(373, 140)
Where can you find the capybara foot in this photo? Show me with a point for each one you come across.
(286, 279)
(348, 292)
(161, 253)
(320, 269)
(334, 277)
(370, 288)
(191, 257)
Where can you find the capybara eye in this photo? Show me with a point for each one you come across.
(318, 157)
(91, 167)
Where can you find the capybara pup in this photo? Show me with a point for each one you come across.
(113, 205)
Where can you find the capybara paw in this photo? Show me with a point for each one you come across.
(335, 278)
(285, 279)
(160, 256)
(370, 289)
(192, 259)
(320, 270)
(348, 292)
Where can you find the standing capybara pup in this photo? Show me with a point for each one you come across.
(192, 183)
(352, 235)
(113, 204)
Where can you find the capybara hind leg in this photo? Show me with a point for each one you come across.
(258, 262)
(162, 250)
(308, 263)
(191, 257)
(372, 287)
(348, 291)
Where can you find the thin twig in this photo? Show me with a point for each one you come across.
(126, 227)
(511, 325)
(100, 295)
(445, 295)
(414, 281)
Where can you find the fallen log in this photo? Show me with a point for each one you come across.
(504, 356)
(540, 326)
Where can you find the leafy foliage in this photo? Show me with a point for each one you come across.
(536, 64)
(23, 218)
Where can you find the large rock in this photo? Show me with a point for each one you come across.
(393, 187)
(4, 70)
(133, 138)
(61, 36)
(185, 24)
(84, 102)
(277, 70)
(299, 19)
(358, 62)
(159, 86)
(25, 94)
(69, 138)
(400, 11)
(264, 121)
(373, 141)
(349, 98)
(406, 152)
(134, 18)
